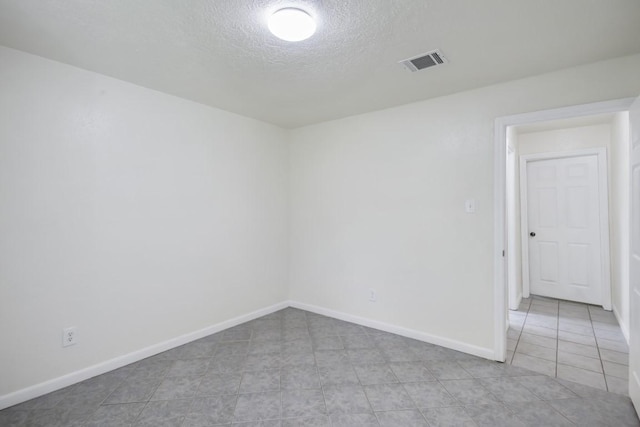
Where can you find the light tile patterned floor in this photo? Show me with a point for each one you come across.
(568, 340)
(294, 368)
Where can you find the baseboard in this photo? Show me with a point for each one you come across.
(37, 390)
(487, 353)
(519, 299)
(624, 328)
(517, 302)
(43, 388)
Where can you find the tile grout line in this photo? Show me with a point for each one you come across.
(513, 356)
(317, 368)
(557, 362)
(595, 338)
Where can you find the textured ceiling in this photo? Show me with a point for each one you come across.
(220, 53)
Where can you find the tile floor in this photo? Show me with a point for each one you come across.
(294, 368)
(573, 341)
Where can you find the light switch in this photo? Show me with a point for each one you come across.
(470, 206)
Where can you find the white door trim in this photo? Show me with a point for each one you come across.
(513, 283)
(634, 265)
(499, 200)
(603, 191)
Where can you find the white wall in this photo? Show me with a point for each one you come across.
(133, 215)
(619, 219)
(378, 202)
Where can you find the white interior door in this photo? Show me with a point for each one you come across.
(634, 278)
(564, 228)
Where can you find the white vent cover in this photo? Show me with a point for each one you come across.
(426, 60)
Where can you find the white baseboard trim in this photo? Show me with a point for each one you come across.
(487, 353)
(519, 300)
(623, 327)
(54, 384)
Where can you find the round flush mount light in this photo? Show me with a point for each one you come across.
(291, 24)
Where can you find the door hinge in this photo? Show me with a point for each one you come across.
(503, 253)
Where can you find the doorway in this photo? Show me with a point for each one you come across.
(504, 253)
(535, 314)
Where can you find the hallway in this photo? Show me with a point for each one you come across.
(568, 340)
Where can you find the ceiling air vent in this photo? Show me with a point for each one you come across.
(426, 60)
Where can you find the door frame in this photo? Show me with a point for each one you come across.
(515, 292)
(634, 291)
(603, 203)
(501, 124)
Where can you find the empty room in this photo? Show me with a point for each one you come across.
(281, 213)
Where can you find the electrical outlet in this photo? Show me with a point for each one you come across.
(69, 336)
(373, 295)
(470, 206)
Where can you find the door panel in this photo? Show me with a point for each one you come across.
(578, 258)
(577, 200)
(548, 209)
(548, 261)
(564, 214)
(634, 278)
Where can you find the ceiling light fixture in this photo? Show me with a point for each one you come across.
(291, 24)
